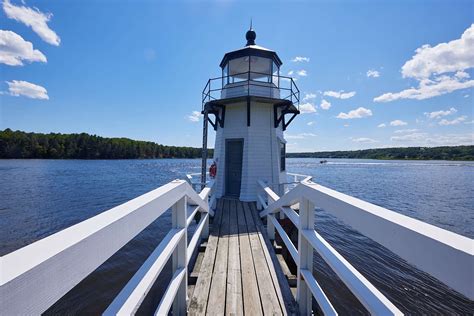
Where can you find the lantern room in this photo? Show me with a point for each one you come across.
(255, 65)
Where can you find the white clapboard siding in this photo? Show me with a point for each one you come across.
(261, 156)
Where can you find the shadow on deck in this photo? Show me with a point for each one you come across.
(239, 272)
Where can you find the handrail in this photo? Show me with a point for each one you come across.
(129, 299)
(447, 256)
(206, 192)
(370, 297)
(52, 263)
(294, 92)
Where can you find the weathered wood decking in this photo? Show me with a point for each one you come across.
(239, 273)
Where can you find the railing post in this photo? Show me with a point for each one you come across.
(179, 219)
(305, 251)
(270, 227)
(205, 229)
(259, 205)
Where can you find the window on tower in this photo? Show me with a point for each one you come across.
(225, 75)
(276, 74)
(260, 69)
(282, 156)
(238, 69)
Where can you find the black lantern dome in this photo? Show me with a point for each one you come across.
(250, 36)
(251, 49)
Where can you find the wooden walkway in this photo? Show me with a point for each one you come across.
(239, 273)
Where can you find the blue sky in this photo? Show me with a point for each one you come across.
(374, 73)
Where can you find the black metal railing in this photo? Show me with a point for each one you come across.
(274, 84)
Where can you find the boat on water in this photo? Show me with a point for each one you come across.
(229, 264)
(323, 161)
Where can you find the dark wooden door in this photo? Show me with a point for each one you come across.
(233, 166)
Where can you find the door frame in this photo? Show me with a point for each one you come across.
(227, 140)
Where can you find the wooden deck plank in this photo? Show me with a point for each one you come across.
(198, 302)
(282, 288)
(234, 303)
(250, 293)
(268, 295)
(215, 305)
(238, 275)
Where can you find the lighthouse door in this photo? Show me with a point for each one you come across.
(233, 166)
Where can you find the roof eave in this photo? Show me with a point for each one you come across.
(249, 51)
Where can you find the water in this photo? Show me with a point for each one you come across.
(41, 197)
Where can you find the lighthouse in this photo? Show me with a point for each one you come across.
(249, 107)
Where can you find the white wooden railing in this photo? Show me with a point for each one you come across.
(194, 180)
(445, 255)
(34, 277)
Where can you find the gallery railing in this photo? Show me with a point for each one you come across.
(284, 87)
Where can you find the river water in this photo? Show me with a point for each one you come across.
(41, 197)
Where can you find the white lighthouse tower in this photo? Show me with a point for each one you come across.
(249, 107)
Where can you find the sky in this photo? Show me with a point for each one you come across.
(372, 74)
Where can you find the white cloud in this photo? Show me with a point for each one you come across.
(325, 105)
(357, 113)
(299, 59)
(300, 136)
(427, 89)
(14, 50)
(456, 55)
(425, 139)
(33, 18)
(307, 108)
(346, 125)
(381, 125)
(398, 123)
(439, 70)
(290, 72)
(340, 94)
(456, 121)
(410, 137)
(302, 73)
(470, 122)
(195, 116)
(364, 140)
(438, 114)
(373, 73)
(311, 123)
(309, 96)
(23, 88)
(461, 75)
(405, 131)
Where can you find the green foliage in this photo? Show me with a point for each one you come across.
(409, 153)
(18, 144)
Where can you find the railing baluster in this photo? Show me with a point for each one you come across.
(205, 230)
(179, 220)
(305, 251)
(270, 227)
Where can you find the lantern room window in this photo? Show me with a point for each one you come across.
(260, 69)
(252, 68)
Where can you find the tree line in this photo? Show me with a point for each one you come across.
(18, 144)
(411, 153)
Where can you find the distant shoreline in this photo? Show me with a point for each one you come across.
(449, 153)
(22, 145)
